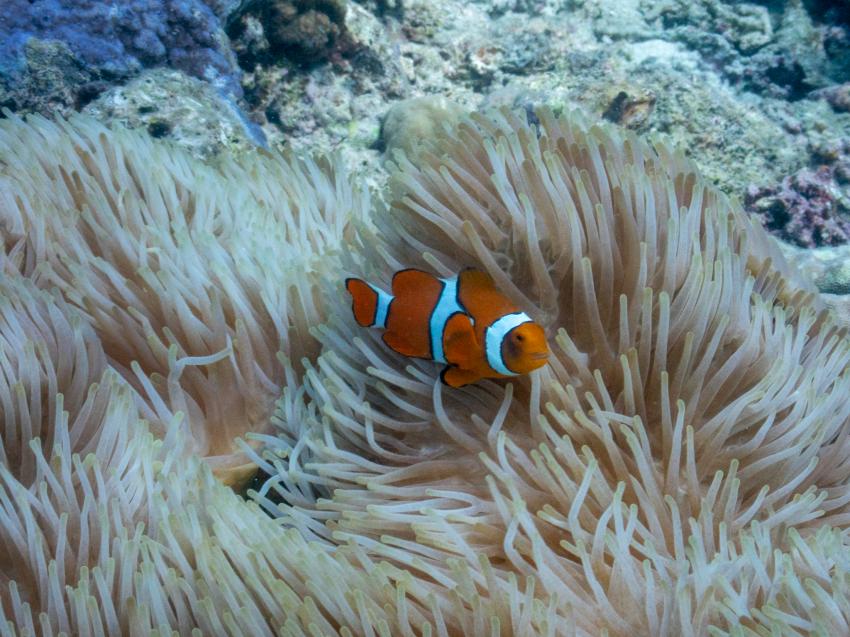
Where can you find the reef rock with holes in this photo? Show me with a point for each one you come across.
(171, 105)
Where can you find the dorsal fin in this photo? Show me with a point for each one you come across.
(481, 299)
(459, 342)
(413, 281)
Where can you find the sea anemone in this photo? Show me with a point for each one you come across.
(199, 281)
(680, 467)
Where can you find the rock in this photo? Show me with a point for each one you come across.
(838, 96)
(531, 7)
(410, 121)
(515, 47)
(746, 27)
(50, 80)
(667, 92)
(335, 106)
(630, 110)
(110, 42)
(170, 104)
(810, 208)
(775, 49)
(306, 32)
(829, 268)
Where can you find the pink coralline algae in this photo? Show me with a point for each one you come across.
(810, 208)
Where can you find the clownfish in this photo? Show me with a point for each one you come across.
(463, 321)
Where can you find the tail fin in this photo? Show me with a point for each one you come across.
(370, 305)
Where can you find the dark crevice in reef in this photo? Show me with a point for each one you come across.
(829, 11)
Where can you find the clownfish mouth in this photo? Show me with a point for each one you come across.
(540, 356)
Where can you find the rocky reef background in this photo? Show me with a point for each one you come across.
(758, 93)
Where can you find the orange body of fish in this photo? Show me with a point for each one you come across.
(463, 321)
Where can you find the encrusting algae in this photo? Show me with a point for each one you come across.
(679, 467)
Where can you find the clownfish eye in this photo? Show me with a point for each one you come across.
(518, 337)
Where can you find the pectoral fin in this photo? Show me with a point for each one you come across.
(456, 377)
(459, 342)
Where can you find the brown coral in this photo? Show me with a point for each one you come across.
(305, 31)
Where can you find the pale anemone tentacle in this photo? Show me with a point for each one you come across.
(680, 466)
(163, 256)
(696, 398)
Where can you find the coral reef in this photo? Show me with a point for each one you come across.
(107, 43)
(810, 208)
(834, 15)
(305, 31)
(329, 107)
(717, 27)
(49, 79)
(530, 7)
(411, 122)
(171, 105)
(368, 56)
(741, 85)
(518, 48)
(679, 468)
(739, 39)
(838, 96)
(735, 145)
